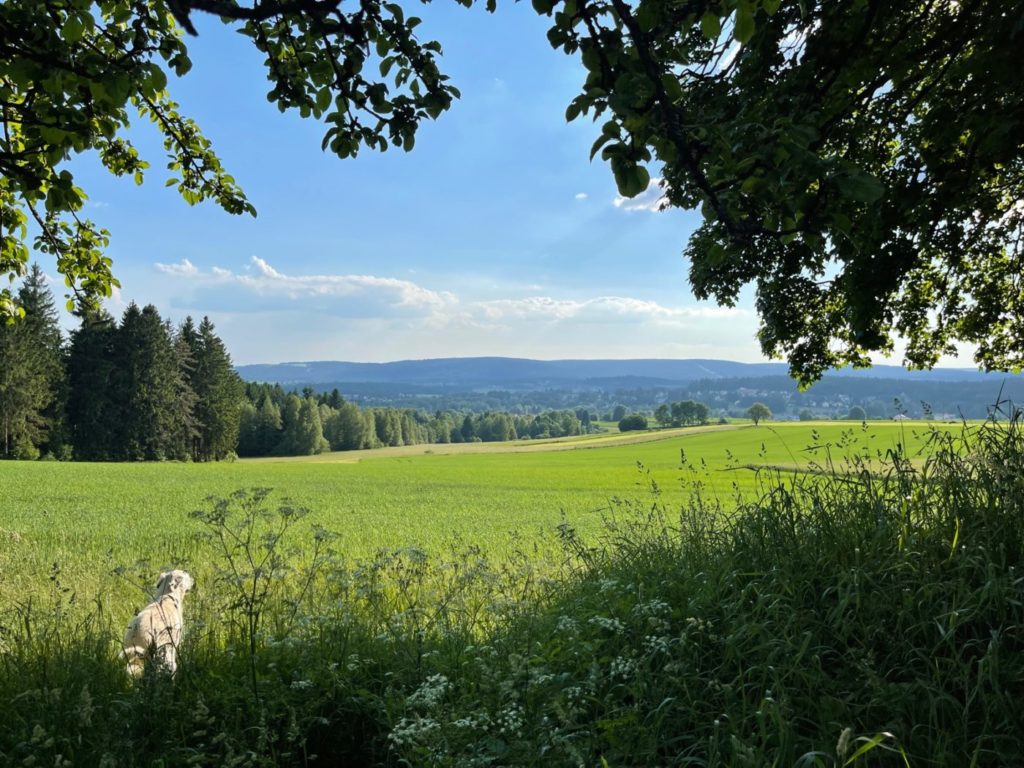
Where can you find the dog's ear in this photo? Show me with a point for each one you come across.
(161, 583)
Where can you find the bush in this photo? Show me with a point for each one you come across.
(633, 422)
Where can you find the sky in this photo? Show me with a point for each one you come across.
(496, 235)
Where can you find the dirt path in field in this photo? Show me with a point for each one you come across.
(575, 443)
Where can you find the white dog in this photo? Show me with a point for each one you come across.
(155, 632)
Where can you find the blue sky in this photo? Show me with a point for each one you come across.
(495, 236)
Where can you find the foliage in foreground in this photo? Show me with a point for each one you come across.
(852, 615)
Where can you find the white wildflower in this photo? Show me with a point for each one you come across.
(430, 693)
(606, 622)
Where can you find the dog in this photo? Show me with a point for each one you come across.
(155, 632)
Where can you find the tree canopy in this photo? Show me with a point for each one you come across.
(861, 163)
(759, 412)
(72, 72)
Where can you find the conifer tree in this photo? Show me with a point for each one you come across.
(269, 426)
(31, 374)
(219, 393)
(149, 387)
(91, 410)
(183, 426)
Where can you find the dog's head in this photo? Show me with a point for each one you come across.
(174, 582)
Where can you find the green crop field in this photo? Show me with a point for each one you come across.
(89, 518)
(437, 637)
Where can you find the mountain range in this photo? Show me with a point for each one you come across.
(479, 373)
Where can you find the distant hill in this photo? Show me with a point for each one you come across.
(509, 373)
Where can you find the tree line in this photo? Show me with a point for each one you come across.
(142, 389)
(274, 422)
(138, 389)
(683, 413)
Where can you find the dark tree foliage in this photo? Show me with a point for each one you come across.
(274, 422)
(633, 422)
(183, 428)
(219, 393)
(31, 375)
(152, 401)
(131, 390)
(860, 162)
(92, 412)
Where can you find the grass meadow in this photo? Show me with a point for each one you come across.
(792, 595)
(86, 519)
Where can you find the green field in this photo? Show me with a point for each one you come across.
(89, 518)
(842, 617)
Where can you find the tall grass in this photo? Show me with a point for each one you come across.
(861, 614)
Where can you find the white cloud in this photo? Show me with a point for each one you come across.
(183, 268)
(651, 199)
(276, 315)
(598, 309)
(262, 287)
(581, 195)
(351, 295)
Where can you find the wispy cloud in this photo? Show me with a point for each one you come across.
(651, 199)
(183, 268)
(599, 309)
(581, 195)
(268, 313)
(263, 288)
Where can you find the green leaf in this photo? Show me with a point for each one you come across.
(73, 29)
(744, 27)
(711, 25)
(860, 186)
(631, 179)
(543, 7)
(647, 16)
(323, 99)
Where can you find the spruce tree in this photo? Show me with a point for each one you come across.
(127, 385)
(269, 426)
(149, 386)
(183, 426)
(31, 374)
(91, 410)
(219, 392)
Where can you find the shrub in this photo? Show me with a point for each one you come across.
(633, 422)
